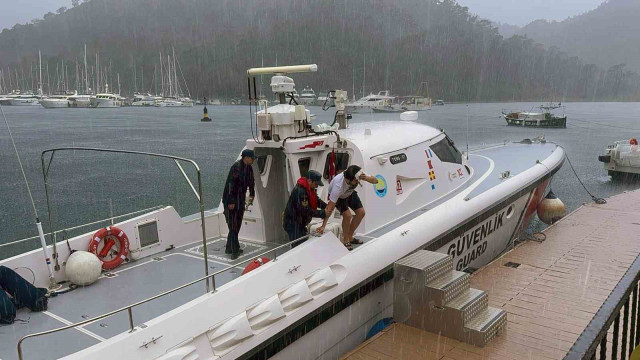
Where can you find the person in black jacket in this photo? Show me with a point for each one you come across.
(303, 204)
(233, 198)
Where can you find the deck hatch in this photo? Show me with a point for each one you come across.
(148, 234)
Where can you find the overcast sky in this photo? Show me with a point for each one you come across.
(522, 12)
(515, 12)
(13, 12)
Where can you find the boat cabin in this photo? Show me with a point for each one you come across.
(414, 164)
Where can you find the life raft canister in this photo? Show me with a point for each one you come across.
(256, 263)
(110, 235)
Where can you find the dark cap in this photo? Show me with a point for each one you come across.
(315, 176)
(248, 153)
(351, 172)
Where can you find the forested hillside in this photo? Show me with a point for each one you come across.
(398, 44)
(607, 36)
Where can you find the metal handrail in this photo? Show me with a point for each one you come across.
(596, 331)
(45, 175)
(87, 224)
(130, 307)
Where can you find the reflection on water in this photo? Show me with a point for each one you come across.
(87, 186)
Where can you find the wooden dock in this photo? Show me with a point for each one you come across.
(550, 289)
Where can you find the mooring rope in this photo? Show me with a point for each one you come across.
(597, 200)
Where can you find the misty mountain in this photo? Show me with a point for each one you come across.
(606, 36)
(397, 44)
(507, 30)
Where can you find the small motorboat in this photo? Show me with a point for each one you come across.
(544, 118)
(622, 159)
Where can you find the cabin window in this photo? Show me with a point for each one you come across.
(446, 152)
(262, 163)
(342, 162)
(303, 165)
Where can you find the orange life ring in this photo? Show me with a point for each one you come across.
(110, 235)
(633, 141)
(256, 263)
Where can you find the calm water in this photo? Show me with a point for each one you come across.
(88, 186)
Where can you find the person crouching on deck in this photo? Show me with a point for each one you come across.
(303, 204)
(233, 198)
(342, 195)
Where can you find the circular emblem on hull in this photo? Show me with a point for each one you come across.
(381, 186)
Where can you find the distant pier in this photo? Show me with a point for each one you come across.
(573, 295)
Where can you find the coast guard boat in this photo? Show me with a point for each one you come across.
(316, 300)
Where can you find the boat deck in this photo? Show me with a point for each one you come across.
(551, 289)
(130, 283)
(488, 164)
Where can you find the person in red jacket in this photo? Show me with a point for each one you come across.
(303, 205)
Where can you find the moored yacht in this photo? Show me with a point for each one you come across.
(60, 100)
(405, 103)
(174, 102)
(26, 99)
(144, 99)
(307, 96)
(107, 100)
(186, 101)
(6, 99)
(80, 100)
(368, 103)
(316, 298)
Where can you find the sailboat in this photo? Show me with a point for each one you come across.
(29, 98)
(82, 100)
(60, 98)
(175, 97)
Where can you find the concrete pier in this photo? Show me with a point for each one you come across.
(550, 289)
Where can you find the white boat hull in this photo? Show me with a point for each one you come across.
(173, 104)
(348, 328)
(480, 229)
(108, 103)
(24, 102)
(54, 103)
(621, 159)
(143, 103)
(80, 103)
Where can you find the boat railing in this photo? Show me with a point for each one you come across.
(111, 219)
(46, 161)
(621, 304)
(129, 309)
